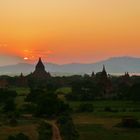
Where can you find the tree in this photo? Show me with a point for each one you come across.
(50, 106)
(67, 128)
(84, 90)
(134, 92)
(45, 131)
(7, 100)
(9, 106)
(6, 95)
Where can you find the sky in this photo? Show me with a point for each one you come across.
(66, 31)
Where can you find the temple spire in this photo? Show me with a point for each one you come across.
(40, 71)
(104, 73)
(21, 75)
(40, 66)
(104, 69)
(40, 59)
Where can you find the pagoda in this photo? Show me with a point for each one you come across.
(104, 81)
(40, 71)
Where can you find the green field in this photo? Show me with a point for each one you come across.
(101, 124)
(119, 108)
(98, 132)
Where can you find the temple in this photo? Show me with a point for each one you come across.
(104, 81)
(126, 79)
(40, 71)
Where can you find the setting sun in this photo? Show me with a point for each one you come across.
(26, 58)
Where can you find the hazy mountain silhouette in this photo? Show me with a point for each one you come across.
(9, 59)
(113, 65)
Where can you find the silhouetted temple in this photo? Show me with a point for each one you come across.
(103, 79)
(40, 71)
(22, 81)
(93, 74)
(126, 79)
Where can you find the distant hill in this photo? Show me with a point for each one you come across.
(113, 65)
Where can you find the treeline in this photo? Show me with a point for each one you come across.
(96, 86)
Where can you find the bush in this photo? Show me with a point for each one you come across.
(67, 128)
(45, 131)
(108, 109)
(129, 122)
(28, 108)
(85, 107)
(19, 136)
(13, 122)
(9, 106)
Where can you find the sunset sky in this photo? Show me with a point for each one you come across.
(66, 31)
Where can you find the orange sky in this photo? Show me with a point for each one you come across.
(64, 31)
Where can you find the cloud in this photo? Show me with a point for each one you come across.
(33, 54)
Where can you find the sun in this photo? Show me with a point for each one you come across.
(25, 58)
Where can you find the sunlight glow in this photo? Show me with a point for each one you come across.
(26, 58)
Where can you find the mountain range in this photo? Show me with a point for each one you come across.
(114, 65)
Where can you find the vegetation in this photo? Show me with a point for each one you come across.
(67, 128)
(85, 108)
(45, 131)
(19, 136)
